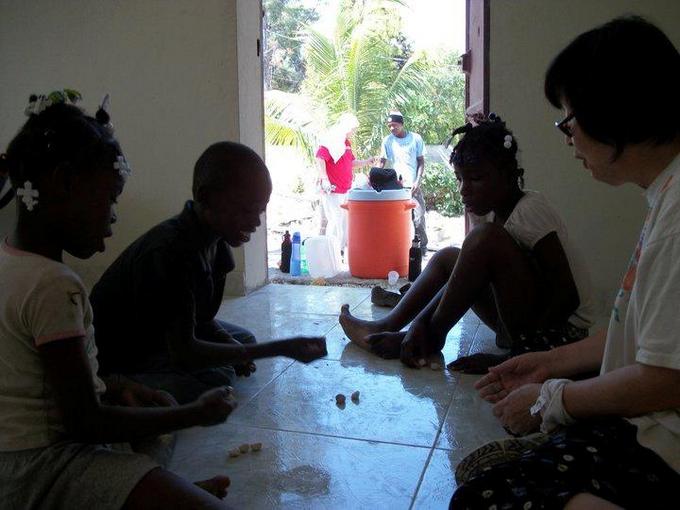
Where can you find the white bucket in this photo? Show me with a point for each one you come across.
(322, 256)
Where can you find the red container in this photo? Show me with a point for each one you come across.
(379, 232)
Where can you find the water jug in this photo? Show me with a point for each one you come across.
(304, 271)
(322, 256)
(295, 255)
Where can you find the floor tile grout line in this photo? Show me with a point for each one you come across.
(320, 434)
(267, 384)
(433, 448)
(439, 431)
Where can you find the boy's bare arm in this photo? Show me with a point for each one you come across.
(87, 420)
(192, 353)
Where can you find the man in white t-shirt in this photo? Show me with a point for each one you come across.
(404, 150)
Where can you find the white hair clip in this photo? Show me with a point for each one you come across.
(122, 166)
(507, 141)
(28, 195)
(37, 105)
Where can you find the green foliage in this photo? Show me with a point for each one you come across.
(284, 67)
(367, 71)
(440, 190)
(289, 120)
(362, 70)
(434, 116)
(299, 187)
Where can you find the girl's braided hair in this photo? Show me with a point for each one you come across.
(58, 134)
(487, 139)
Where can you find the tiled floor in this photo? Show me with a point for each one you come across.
(396, 448)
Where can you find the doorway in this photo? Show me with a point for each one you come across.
(320, 59)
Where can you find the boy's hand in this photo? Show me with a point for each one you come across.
(245, 369)
(305, 348)
(242, 369)
(126, 392)
(215, 405)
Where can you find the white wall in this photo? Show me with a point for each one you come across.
(172, 70)
(525, 36)
(251, 121)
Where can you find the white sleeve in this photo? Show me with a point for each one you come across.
(55, 309)
(532, 220)
(656, 297)
(383, 149)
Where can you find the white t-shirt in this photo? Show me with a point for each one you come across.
(531, 220)
(41, 301)
(403, 153)
(645, 323)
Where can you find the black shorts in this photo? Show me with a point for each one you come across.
(600, 457)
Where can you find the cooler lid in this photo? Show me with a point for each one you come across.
(386, 194)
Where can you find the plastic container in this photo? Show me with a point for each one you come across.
(379, 232)
(286, 251)
(303, 259)
(322, 256)
(295, 257)
(415, 260)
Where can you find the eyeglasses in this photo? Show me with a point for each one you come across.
(562, 125)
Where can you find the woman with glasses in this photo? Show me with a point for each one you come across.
(612, 440)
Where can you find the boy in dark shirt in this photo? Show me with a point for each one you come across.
(155, 307)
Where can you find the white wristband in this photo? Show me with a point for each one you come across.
(550, 406)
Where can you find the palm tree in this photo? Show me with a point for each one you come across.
(358, 69)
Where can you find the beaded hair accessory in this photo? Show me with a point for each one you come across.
(104, 119)
(122, 166)
(39, 103)
(102, 114)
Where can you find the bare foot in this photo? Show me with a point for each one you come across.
(386, 344)
(477, 363)
(357, 329)
(217, 485)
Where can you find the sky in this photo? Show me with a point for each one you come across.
(430, 24)
(436, 23)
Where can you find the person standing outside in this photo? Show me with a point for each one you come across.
(336, 163)
(405, 151)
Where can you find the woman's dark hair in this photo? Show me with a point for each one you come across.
(489, 140)
(621, 81)
(62, 134)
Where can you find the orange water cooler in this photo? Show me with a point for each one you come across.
(379, 232)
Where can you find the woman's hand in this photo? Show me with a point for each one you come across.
(513, 373)
(513, 410)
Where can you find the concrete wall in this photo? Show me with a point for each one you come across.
(172, 69)
(251, 122)
(525, 36)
